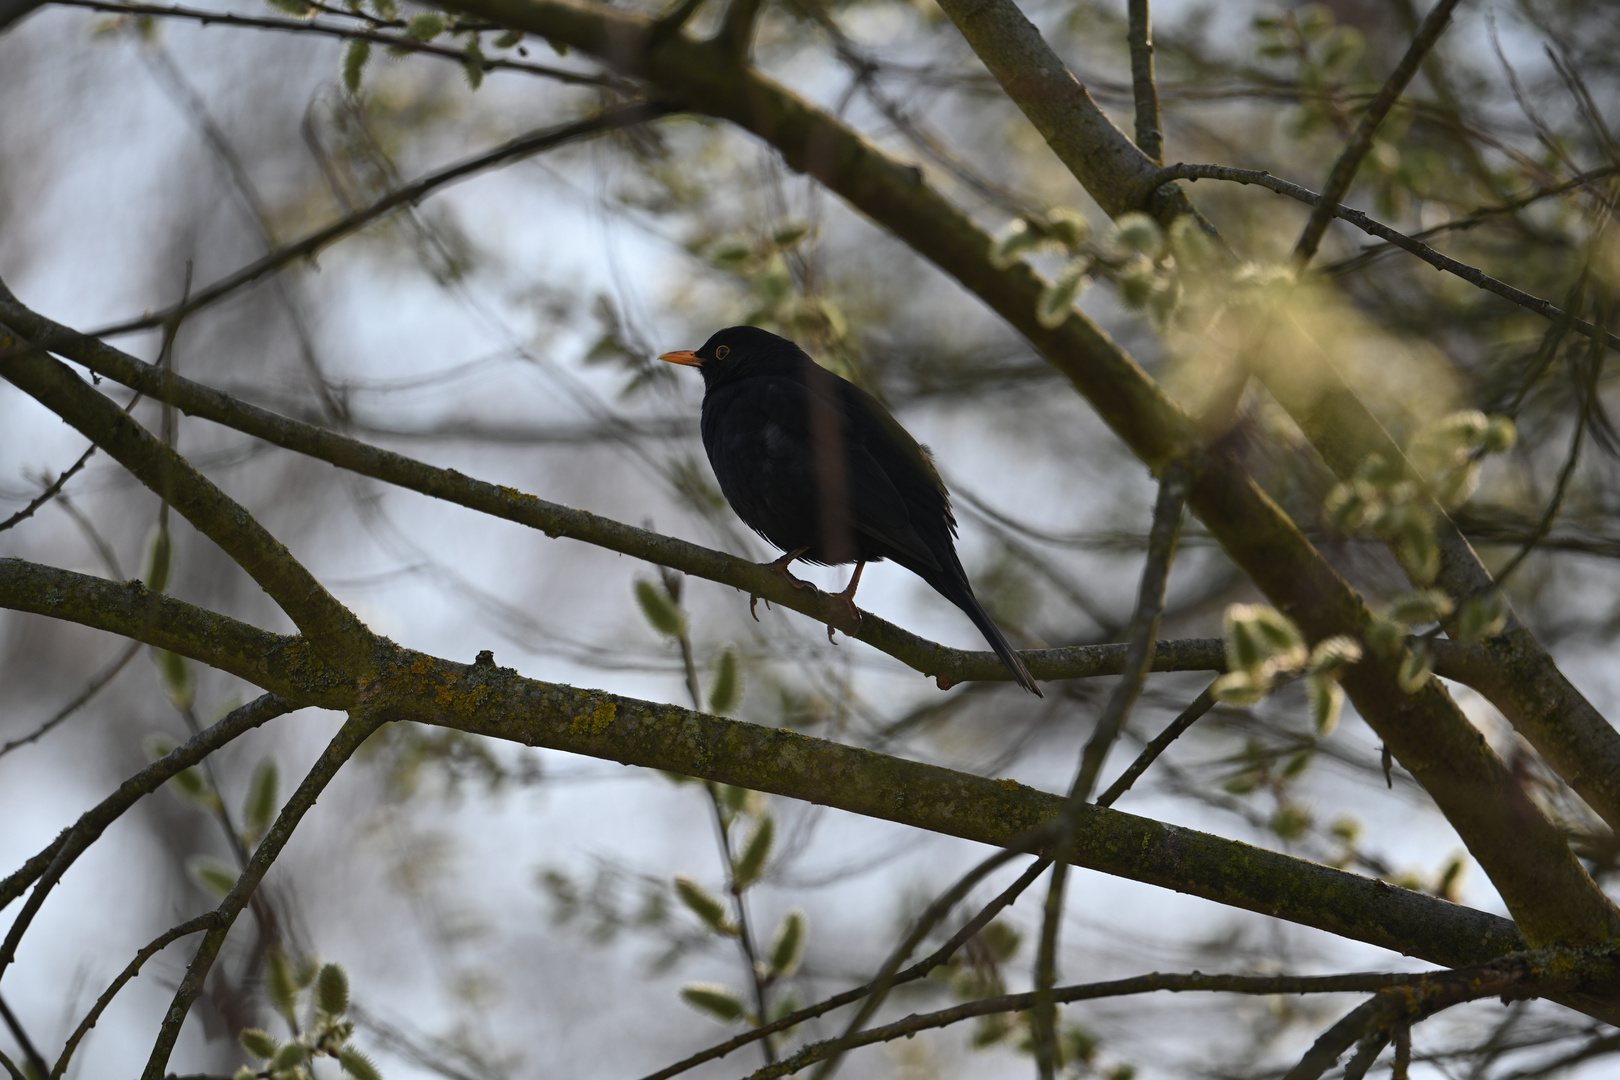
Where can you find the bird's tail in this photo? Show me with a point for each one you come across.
(960, 593)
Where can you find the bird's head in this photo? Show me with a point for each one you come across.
(741, 350)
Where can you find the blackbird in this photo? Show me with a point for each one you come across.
(818, 467)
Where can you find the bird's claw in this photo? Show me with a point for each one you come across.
(854, 617)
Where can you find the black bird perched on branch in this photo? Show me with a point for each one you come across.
(818, 467)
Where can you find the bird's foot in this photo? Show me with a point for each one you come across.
(847, 598)
(781, 565)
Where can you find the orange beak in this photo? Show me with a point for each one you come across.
(686, 359)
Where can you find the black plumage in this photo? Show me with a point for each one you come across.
(818, 467)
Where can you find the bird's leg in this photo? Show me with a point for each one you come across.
(781, 567)
(848, 597)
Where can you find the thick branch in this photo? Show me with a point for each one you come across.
(498, 703)
(278, 663)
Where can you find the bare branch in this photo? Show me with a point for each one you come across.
(48, 494)
(347, 33)
(355, 731)
(330, 626)
(1470, 274)
(191, 926)
(97, 681)
(1149, 132)
(1344, 170)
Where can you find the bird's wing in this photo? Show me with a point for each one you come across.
(888, 492)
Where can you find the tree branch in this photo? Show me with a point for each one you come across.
(948, 665)
(1149, 133)
(335, 630)
(1474, 276)
(1344, 169)
(355, 731)
(347, 33)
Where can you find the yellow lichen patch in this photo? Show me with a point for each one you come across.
(596, 721)
(1010, 785)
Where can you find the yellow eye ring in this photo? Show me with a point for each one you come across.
(722, 351)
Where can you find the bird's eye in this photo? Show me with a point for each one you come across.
(722, 351)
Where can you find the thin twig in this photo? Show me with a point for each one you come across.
(355, 731)
(1472, 275)
(610, 119)
(31, 1055)
(97, 681)
(1344, 170)
(309, 26)
(94, 821)
(48, 494)
(1141, 984)
(158, 944)
(1149, 133)
(1473, 218)
(917, 971)
(1150, 753)
(1144, 628)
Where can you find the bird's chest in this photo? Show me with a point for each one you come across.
(766, 463)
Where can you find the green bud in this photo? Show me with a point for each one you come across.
(1419, 608)
(1012, 242)
(216, 877)
(720, 1002)
(358, 1065)
(1192, 246)
(660, 609)
(704, 904)
(1241, 688)
(425, 26)
(1057, 299)
(756, 853)
(159, 559)
(1500, 435)
(1137, 285)
(1139, 233)
(787, 944)
(726, 683)
(509, 40)
(179, 681)
(1416, 668)
(355, 57)
(1068, 227)
(1346, 830)
(1384, 637)
(1332, 655)
(1262, 638)
(1327, 699)
(258, 1042)
(1458, 486)
(1352, 504)
(290, 1056)
(280, 986)
(1290, 822)
(332, 990)
(259, 810)
(1482, 617)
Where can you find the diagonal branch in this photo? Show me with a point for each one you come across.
(335, 630)
(355, 731)
(1344, 170)
(1471, 274)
